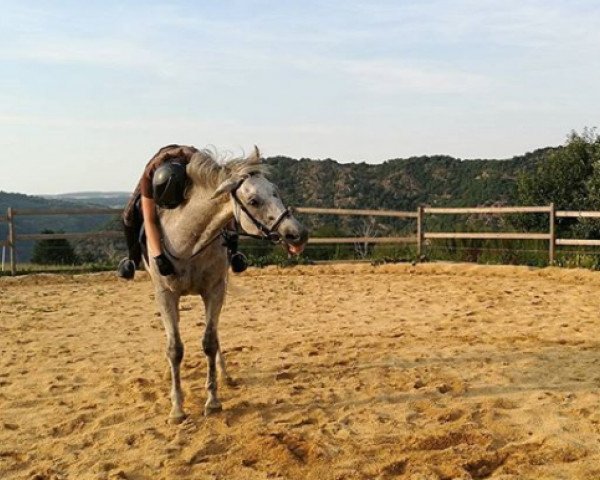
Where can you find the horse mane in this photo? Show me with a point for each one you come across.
(209, 168)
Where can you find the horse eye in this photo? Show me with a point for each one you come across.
(253, 202)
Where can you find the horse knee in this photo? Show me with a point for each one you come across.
(210, 344)
(175, 352)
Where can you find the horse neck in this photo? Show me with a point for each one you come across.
(194, 224)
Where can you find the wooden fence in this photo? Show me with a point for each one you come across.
(12, 237)
(419, 238)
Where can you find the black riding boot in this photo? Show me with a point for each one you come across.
(128, 265)
(237, 260)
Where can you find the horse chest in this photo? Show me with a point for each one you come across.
(195, 278)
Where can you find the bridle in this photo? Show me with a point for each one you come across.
(267, 233)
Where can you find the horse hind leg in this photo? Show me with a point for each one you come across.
(223, 368)
(168, 304)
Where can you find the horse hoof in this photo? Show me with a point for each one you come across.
(211, 408)
(176, 419)
(230, 382)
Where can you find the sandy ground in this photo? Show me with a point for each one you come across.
(426, 372)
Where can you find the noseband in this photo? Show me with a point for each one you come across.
(267, 233)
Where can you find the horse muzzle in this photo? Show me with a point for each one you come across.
(294, 236)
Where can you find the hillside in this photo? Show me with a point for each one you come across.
(106, 199)
(35, 224)
(401, 183)
(398, 184)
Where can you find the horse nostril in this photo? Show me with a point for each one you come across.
(290, 237)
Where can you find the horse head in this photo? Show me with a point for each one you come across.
(258, 207)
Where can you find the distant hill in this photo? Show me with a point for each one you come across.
(106, 199)
(400, 184)
(35, 224)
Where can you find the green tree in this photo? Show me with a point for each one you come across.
(593, 183)
(568, 177)
(53, 252)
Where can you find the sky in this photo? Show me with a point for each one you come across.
(89, 91)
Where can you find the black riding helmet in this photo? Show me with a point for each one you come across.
(168, 185)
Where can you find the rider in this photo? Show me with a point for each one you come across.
(163, 184)
(166, 188)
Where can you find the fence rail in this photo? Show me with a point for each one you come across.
(11, 241)
(334, 240)
(345, 211)
(66, 211)
(486, 236)
(577, 214)
(493, 210)
(69, 236)
(420, 237)
(577, 243)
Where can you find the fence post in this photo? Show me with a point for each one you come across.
(420, 231)
(552, 232)
(11, 241)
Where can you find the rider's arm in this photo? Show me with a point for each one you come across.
(151, 226)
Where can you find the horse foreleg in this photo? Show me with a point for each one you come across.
(168, 303)
(213, 302)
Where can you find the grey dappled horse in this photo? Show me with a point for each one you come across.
(218, 193)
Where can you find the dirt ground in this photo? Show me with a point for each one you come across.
(345, 372)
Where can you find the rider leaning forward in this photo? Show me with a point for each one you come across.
(163, 182)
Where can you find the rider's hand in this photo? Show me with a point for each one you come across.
(165, 267)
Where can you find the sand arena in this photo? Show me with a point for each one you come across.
(345, 372)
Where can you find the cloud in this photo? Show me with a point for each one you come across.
(525, 23)
(86, 52)
(117, 124)
(162, 124)
(393, 77)
(386, 46)
(346, 79)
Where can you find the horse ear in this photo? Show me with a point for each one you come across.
(227, 186)
(255, 157)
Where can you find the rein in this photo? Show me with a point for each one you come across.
(268, 233)
(222, 233)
